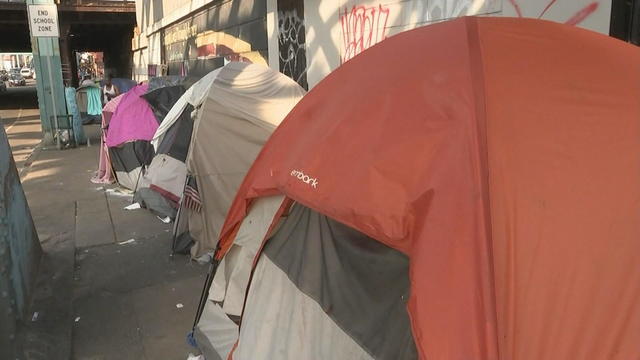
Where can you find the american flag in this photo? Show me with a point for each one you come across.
(191, 198)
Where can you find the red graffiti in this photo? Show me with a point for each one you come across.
(582, 14)
(206, 50)
(546, 8)
(576, 19)
(213, 50)
(517, 7)
(362, 27)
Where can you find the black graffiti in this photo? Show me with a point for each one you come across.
(291, 42)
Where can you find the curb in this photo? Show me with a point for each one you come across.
(23, 171)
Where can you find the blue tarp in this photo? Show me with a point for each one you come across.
(72, 108)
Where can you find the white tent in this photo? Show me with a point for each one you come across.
(194, 96)
(243, 106)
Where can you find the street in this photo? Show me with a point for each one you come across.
(20, 117)
(19, 96)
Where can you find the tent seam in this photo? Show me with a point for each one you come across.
(478, 84)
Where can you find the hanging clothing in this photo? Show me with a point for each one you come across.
(72, 108)
(104, 174)
(94, 104)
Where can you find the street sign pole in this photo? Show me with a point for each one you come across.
(43, 22)
(53, 102)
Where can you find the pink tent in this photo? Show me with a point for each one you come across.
(132, 126)
(133, 119)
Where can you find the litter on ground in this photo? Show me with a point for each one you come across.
(165, 220)
(133, 206)
(119, 192)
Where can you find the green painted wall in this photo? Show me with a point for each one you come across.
(20, 251)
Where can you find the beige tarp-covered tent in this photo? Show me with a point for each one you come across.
(244, 105)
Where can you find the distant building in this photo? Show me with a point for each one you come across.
(15, 60)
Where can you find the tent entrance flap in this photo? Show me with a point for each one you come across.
(354, 286)
(128, 160)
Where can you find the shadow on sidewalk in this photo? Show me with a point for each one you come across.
(123, 294)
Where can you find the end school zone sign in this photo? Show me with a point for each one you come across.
(44, 20)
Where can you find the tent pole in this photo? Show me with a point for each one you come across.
(205, 291)
(177, 221)
(175, 229)
(142, 168)
(135, 189)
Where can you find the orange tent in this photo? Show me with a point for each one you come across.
(502, 157)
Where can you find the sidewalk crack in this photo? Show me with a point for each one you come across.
(113, 228)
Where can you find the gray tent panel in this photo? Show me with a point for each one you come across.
(128, 160)
(155, 202)
(161, 100)
(360, 283)
(176, 140)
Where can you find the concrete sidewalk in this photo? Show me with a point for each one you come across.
(24, 133)
(101, 295)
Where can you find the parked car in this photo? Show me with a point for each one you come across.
(15, 79)
(4, 75)
(26, 72)
(3, 86)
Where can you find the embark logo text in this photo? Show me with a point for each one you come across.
(313, 182)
